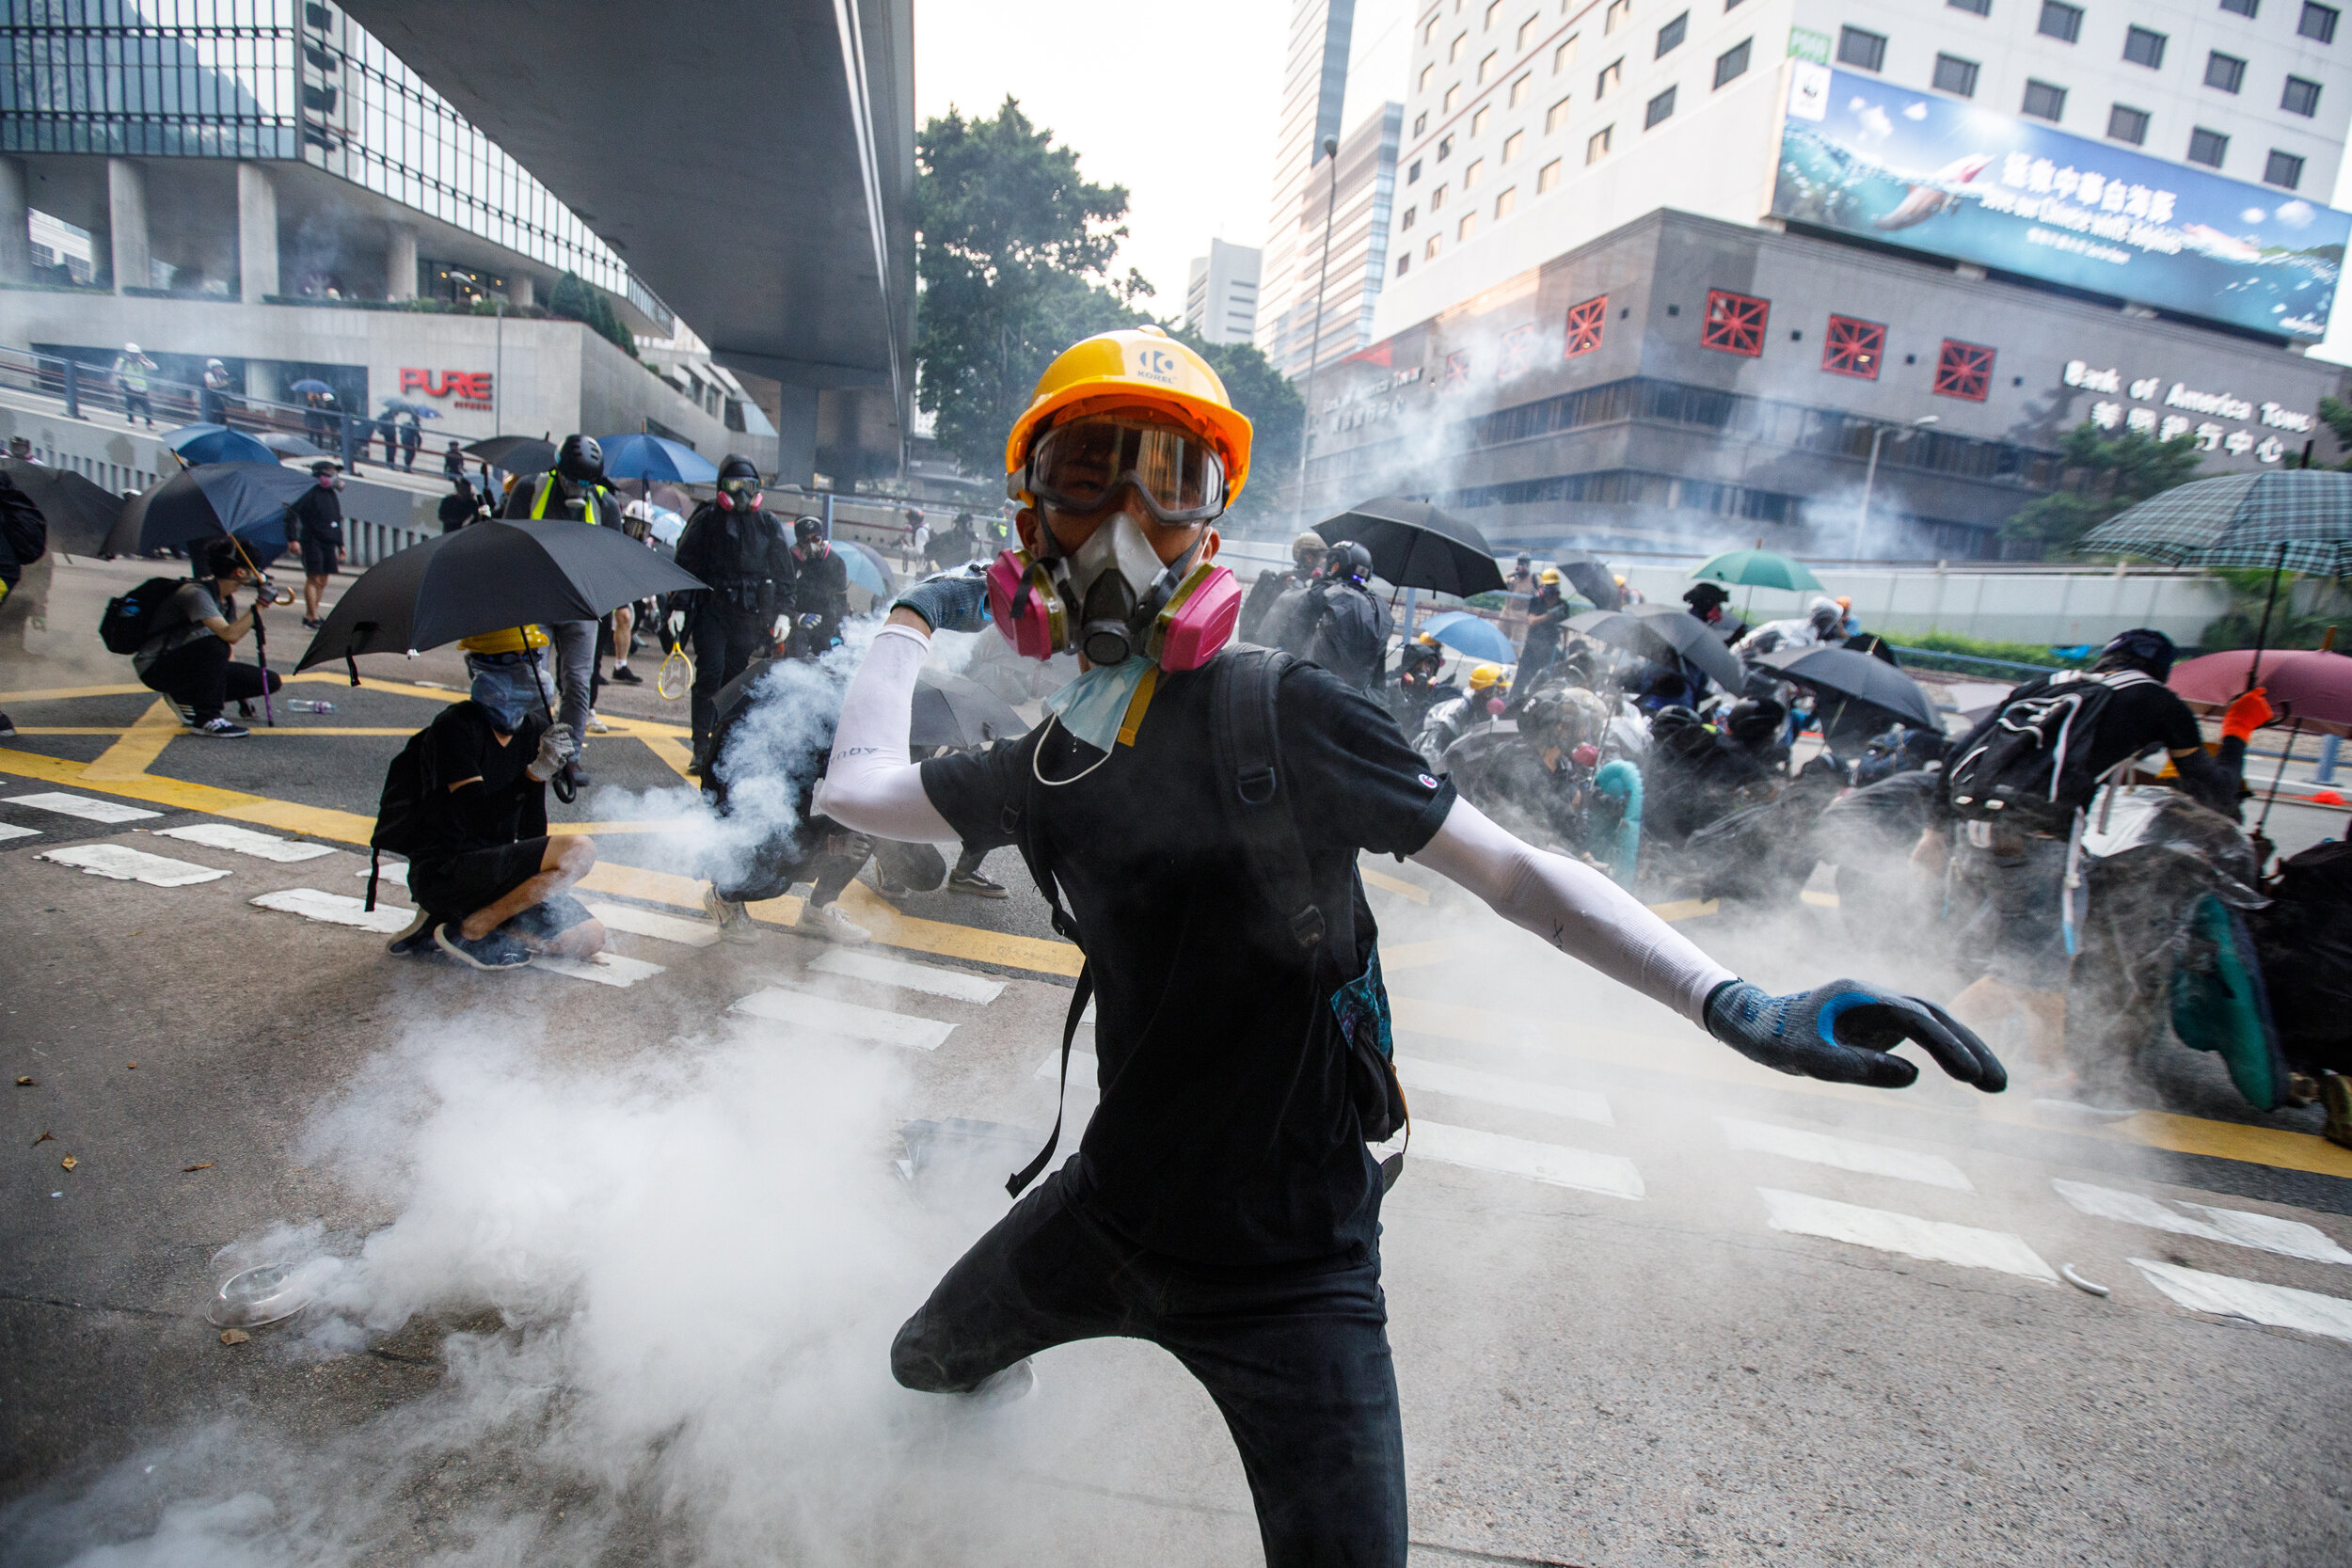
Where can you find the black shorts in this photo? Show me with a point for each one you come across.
(454, 887)
(318, 558)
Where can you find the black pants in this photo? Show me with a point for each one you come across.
(203, 676)
(823, 853)
(1296, 1358)
(726, 639)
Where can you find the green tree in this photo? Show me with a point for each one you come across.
(2298, 619)
(574, 299)
(1015, 250)
(1277, 416)
(2103, 474)
(2337, 416)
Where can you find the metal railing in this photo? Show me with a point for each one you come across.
(366, 543)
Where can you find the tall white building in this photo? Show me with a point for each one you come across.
(1536, 126)
(1355, 192)
(1221, 294)
(1315, 95)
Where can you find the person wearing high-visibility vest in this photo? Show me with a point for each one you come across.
(573, 488)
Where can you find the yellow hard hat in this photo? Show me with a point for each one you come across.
(1485, 676)
(1137, 367)
(1549, 575)
(1621, 579)
(1426, 638)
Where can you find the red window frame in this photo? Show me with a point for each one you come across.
(1735, 324)
(1854, 347)
(1586, 323)
(1520, 348)
(1456, 375)
(1964, 371)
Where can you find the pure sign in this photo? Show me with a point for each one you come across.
(469, 389)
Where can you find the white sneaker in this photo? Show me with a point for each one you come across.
(734, 920)
(597, 726)
(831, 924)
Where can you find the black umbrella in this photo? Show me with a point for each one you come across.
(80, 514)
(952, 711)
(516, 455)
(1591, 577)
(485, 577)
(246, 499)
(1858, 677)
(1414, 545)
(1662, 633)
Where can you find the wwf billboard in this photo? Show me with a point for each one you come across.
(1952, 180)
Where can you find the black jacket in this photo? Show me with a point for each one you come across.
(744, 556)
(824, 585)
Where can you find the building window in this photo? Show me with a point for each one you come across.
(1473, 174)
(1487, 66)
(1427, 72)
(1429, 32)
(1546, 177)
(2284, 170)
(2142, 47)
(2125, 123)
(1436, 199)
(1453, 97)
(1454, 50)
(1661, 107)
(1618, 11)
(1445, 148)
(1421, 124)
(1980, 7)
(1412, 173)
(1955, 76)
(1670, 36)
(1483, 117)
(1732, 62)
(1555, 117)
(1520, 89)
(1735, 323)
(1964, 371)
(1586, 323)
(2226, 71)
(2319, 22)
(1527, 30)
(1854, 348)
(2241, 7)
(1513, 145)
(1469, 227)
(2061, 21)
(2301, 96)
(1861, 50)
(2207, 146)
(1487, 24)
(1596, 145)
(1506, 203)
(1429, 251)
(1404, 265)
(1611, 75)
(2046, 101)
(1455, 377)
(1407, 221)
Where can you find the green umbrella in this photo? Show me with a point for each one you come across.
(1758, 569)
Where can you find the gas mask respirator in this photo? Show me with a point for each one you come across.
(1112, 599)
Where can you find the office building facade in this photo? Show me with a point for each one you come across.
(1221, 294)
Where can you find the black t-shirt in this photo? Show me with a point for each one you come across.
(2141, 714)
(507, 806)
(318, 513)
(1226, 1134)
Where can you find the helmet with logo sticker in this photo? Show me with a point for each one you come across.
(1140, 369)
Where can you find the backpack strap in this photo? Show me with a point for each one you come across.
(1019, 1181)
(1247, 753)
(1021, 822)
(375, 869)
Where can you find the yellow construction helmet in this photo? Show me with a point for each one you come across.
(1485, 676)
(1426, 639)
(1549, 575)
(1137, 367)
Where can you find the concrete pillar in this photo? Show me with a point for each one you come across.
(796, 435)
(520, 291)
(126, 224)
(16, 255)
(257, 233)
(400, 262)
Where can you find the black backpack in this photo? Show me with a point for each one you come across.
(21, 524)
(2305, 939)
(2030, 764)
(400, 811)
(129, 619)
(1246, 750)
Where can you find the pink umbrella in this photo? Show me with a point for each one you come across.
(2308, 688)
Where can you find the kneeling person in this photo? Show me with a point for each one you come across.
(490, 885)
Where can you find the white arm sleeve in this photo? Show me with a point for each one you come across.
(869, 785)
(1576, 909)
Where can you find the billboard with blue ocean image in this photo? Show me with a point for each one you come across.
(1952, 180)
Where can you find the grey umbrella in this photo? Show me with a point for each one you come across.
(1663, 633)
(79, 513)
(1858, 677)
(950, 710)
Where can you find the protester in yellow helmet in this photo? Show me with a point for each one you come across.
(1201, 808)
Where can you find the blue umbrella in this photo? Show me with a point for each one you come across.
(311, 384)
(865, 568)
(653, 457)
(1465, 633)
(247, 500)
(215, 443)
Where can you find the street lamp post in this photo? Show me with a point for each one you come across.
(1870, 475)
(1314, 344)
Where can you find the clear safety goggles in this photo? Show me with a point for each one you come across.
(739, 488)
(1080, 468)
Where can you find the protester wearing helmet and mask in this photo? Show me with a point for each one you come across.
(1707, 601)
(1336, 623)
(1418, 687)
(574, 489)
(1546, 618)
(1223, 1202)
(1488, 698)
(1273, 586)
(821, 598)
(740, 549)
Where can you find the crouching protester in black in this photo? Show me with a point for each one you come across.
(490, 885)
(189, 657)
(1223, 1202)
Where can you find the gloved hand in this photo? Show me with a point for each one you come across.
(953, 600)
(555, 749)
(2249, 713)
(1842, 1032)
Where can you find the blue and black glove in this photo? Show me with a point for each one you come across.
(1842, 1032)
(953, 600)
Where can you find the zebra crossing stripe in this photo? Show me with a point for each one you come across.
(2277, 1306)
(82, 806)
(826, 1016)
(395, 873)
(605, 969)
(661, 927)
(928, 978)
(1554, 1165)
(245, 841)
(1882, 1230)
(337, 909)
(125, 865)
(1418, 1072)
(2236, 1227)
(9, 830)
(1844, 1153)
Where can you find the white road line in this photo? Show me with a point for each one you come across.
(245, 841)
(932, 981)
(1085, 1070)
(646, 923)
(1551, 1164)
(2236, 1227)
(826, 1016)
(83, 807)
(1419, 1073)
(9, 830)
(1844, 1153)
(2277, 1305)
(1935, 1241)
(605, 969)
(335, 909)
(132, 866)
(395, 873)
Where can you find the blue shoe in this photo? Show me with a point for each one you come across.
(417, 941)
(496, 951)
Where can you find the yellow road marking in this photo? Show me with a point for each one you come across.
(63, 693)
(70, 729)
(1819, 900)
(140, 745)
(1685, 908)
(1397, 885)
(676, 753)
(1420, 955)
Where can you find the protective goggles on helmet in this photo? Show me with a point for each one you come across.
(1081, 466)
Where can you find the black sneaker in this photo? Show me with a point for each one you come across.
(8, 727)
(417, 941)
(623, 676)
(974, 884)
(309, 625)
(496, 951)
(222, 727)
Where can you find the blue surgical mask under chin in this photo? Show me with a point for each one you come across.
(1094, 705)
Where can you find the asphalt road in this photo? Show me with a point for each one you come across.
(620, 1260)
